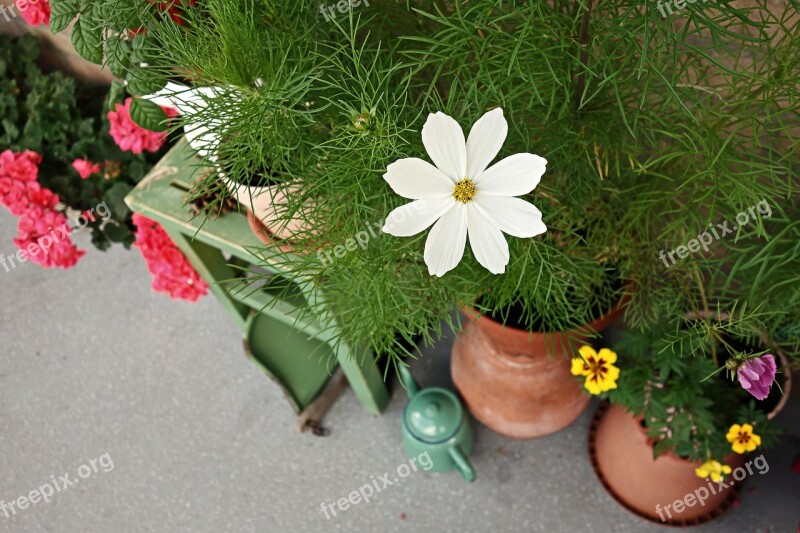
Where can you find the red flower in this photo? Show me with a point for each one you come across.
(171, 271)
(15, 194)
(85, 168)
(44, 235)
(22, 166)
(35, 12)
(18, 185)
(175, 8)
(42, 198)
(131, 137)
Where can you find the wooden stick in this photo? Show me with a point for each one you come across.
(313, 414)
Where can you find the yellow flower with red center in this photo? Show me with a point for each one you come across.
(713, 469)
(601, 374)
(742, 438)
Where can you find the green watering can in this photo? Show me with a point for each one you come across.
(435, 422)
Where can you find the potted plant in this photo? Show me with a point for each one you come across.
(371, 109)
(263, 189)
(692, 400)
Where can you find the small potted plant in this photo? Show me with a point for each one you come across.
(691, 400)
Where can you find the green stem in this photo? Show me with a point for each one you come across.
(584, 57)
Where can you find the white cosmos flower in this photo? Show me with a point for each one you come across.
(464, 197)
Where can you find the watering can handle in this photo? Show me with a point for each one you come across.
(462, 464)
(408, 381)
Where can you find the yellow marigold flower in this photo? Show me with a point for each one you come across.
(713, 469)
(601, 374)
(742, 438)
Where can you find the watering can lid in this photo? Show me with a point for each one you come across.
(433, 415)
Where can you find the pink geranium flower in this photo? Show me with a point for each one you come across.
(131, 137)
(22, 166)
(44, 235)
(18, 175)
(41, 198)
(171, 271)
(85, 168)
(15, 194)
(756, 375)
(35, 12)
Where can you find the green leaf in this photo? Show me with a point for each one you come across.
(115, 199)
(141, 47)
(117, 233)
(116, 94)
(87, 39)
(142, 82)
(148, 115)
(117, 55)
(61, 14)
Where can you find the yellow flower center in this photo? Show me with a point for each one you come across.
(464, 191)
(596, 368)
(743, 437)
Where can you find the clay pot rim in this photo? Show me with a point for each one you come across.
(703, 519)
(598, 324)
(787, 384)
(268, 238)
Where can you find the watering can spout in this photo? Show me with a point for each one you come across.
(408, 381)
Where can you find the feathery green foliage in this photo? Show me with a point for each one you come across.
(655, 129)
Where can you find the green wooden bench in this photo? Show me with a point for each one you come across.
(296, 353)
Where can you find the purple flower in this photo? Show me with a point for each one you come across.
(756, 375)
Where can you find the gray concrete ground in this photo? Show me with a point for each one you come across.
(93, 363)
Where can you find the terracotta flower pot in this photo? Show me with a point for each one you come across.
(622, 457)
(269, 205)
(265, 235)
(519, 383)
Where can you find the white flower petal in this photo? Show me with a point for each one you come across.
(485, 140)
(414, 178)
(487, 241)
(512, 215)
(515, 175)
(444, 142)
(416, 216)
(444, 247)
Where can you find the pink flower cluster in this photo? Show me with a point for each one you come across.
(131, 137)
(18, 175)
(43, 231)
(171, 271)
(35, 12)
